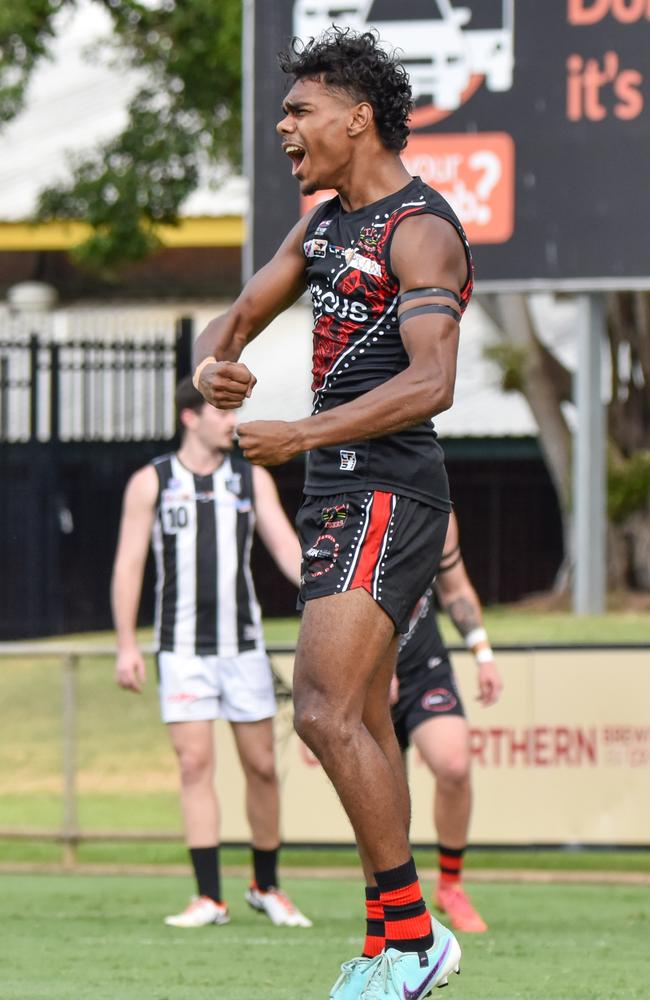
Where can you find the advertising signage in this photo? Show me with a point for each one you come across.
(533, 119)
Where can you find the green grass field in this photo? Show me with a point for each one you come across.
(102, 938)
(77, 937)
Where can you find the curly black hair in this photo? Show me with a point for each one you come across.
(354, 62)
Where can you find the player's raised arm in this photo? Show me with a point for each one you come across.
(218, 375)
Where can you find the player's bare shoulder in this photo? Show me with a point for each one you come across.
(426, 250)
(142, 488)
(297, 234)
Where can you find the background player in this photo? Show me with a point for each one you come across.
(199, 507)
(429, 714)
(389, 271)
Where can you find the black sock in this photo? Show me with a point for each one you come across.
(205, 861)
(265, 868)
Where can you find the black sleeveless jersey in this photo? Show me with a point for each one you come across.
(357, 343)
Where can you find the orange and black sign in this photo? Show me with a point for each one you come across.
(532, 119)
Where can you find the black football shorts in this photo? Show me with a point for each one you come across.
(428, 693)
(389, 545)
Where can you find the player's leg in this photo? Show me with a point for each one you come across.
(345, 641)
(443, 743)
(193, 744)
(361, 579)
(247, 701)
(376, 717)
(189, 705)
(254, 741)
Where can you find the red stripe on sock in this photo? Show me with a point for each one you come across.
(400, 897)
(371, 548)
(373, 946)
(408, 930)
(374, 909)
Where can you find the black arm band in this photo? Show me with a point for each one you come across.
(416, 293)
(432, 308)
(445, 567)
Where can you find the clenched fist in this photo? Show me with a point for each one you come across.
(226, 384)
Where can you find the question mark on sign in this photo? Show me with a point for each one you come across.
(490, 164)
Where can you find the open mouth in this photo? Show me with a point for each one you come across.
(296, 154)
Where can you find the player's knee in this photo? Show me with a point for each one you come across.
(194, 766)
(261, 770)
(454, 771)
(322, 728)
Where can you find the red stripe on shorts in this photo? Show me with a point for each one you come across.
(372, 544)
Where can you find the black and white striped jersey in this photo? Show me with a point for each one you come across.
(201, 539)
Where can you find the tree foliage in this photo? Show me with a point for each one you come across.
(185, 116)
(529, 366)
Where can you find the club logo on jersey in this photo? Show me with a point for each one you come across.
(335, 517)
(322, 227)
(337, 305)
(321, 556)
(233, 484)
(438, 700)
(369, 239)
(315, 248)
(348, 460)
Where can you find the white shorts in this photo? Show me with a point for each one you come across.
(238, 688)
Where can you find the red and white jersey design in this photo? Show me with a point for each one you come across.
(357, 343)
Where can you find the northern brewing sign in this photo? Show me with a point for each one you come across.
(532, 118)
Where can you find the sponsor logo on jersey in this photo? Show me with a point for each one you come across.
(315, 248)
(348, 460)
(178, 495)
(335, 517)
(438, 700)
(321, 556)
(361, 263)
(233, 484)
(322, 227)
(337, 305)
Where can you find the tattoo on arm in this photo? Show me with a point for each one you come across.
(464, 614)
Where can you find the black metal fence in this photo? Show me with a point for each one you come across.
(91, 389)
(76, 419)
